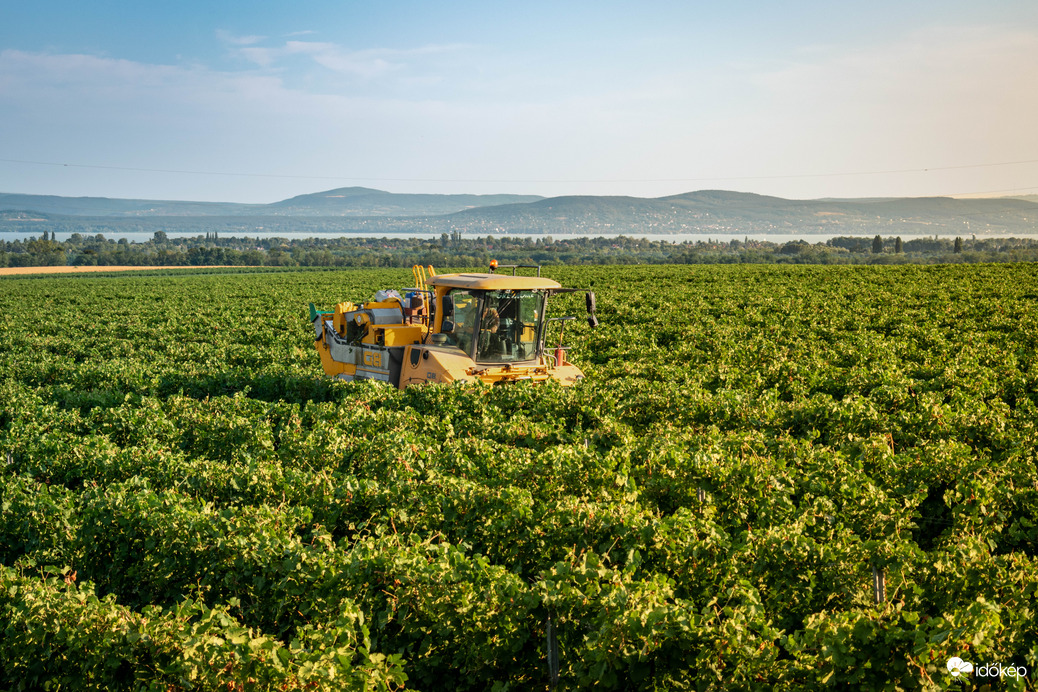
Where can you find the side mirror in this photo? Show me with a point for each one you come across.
(589, 298)
(447, 327)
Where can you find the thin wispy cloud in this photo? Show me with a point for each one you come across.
(365, 63)
(27, 76)
(235, 40)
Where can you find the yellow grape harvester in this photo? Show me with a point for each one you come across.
(449, 328)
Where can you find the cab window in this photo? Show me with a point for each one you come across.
(465, 306)
(509, 326)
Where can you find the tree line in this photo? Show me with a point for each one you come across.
(457, 250)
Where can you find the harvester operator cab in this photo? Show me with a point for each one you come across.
(494, 326)
(510, 329)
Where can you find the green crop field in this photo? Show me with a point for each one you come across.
(772, 478)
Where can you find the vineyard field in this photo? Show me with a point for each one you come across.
(772, 477)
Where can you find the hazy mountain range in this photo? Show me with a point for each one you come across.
(364, 210)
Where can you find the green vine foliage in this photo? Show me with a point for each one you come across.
(189, 504)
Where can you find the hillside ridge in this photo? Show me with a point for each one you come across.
(367, 210)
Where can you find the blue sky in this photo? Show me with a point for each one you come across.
(256, 102)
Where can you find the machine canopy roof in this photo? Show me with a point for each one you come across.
(494, 282)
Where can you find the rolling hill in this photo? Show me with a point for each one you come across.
(347, 201)
(369, 211)
(362, 201)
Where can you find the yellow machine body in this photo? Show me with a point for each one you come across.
(448, 328)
